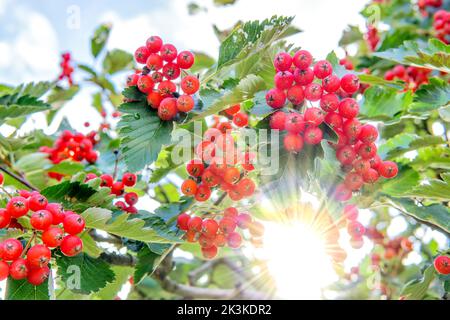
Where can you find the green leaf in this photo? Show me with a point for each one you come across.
(36, 90)
(433, 190)
(82, 273)
(432, 55)
(403, 182)
(60, 94)
(124, 225)
(23, 290)
(260, 107)
(33, 166)
(244, 38)
(98, 41)
(202, 62)
(404, 142)
(338, 69)
(431, 96)
(145, 263)
(246, 89)
(122, 274)
(117, 60)
(87, 69)
(143, 134)
(381, 103)
(417, 289)
(435, 214)
(15, 105)
(67, 167)
(377, 81)
(163, 165)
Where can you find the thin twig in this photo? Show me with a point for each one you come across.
(18, 178)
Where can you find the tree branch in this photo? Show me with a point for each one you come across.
(18, 178)
(125, 260)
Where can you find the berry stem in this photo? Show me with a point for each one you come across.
(28, 244)
(18, 178)
(6, 192)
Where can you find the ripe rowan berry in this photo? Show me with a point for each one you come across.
(209, 252)
(5, 218)
(168, 52)
(17, 207)
(195, 224)
(275, 98)
(231, 212)
(442, 264)
(346, 155)
(342, 193)
(350, 83)
(185, 103)
(302, 59)
(107, 180)
(348, 108)
(71, 245)
(313, 92)
(145, 84)
(185, 59)
(329, 102)
(296, 95)
(129, 179)
(314, 116)
(195, 168)
(209, 227)
(240, 119)
(313, 135)
(388, 169)
(18, 269)
(283, 80)
(370, 176)
(141, 54)
(117, 188)
(334, 120)
(154, 44)
(353, 181)
(38, 256)
(190, 84)
(168, 109)
(331, 83)
(282, 61)
(52, 237)
(303, 77)
(367, 150)
(74, 224)
(322, 69)
(166, 89)
(38, 276)
(293, 142)
(12, 249)
(368, 134)
(182, 221)
(234, 240)
(131, 198)
(227, 225)
(277, 120)
(41, 220)
(203, 193)
(4, 270)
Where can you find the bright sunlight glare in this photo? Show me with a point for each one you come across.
(297, 261)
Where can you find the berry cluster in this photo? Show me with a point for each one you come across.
(441, 25)
(118, 189)
(53, 226)
(211, 233)
(219, 164)
(66, 68)
(414, 77)
(73, 146)
(442, 264)
(424, 5)
(354, 228)
(397, 247)
(163, 65)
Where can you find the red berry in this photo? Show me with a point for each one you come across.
(293, 142)
(361, 165)
(141, 54)
(314, 116)
(41, 220)
(167, 88)
(331, 83)
(17, 207)
(203, 193)
(246, 187)
(277, 120)
(74, 224)
(313, 135)
(370, 176)
(368, 134)
(234, 240)
(348, 108)
(302, 59)
(18, 269)
(296, 95)
(244, 220)
(346, 155)
(334, 120)
(209, 252)
(313, 92)
(132, 79)
(71, 246)
(168, 109)
(323, 69)
(117, 188)
(295, 123)
(171, 71)
(120, 205)
(37, 202)
(283, 80)
(209, 227)
(107, 180)
(53, 237)
(154, 44)
(145, 84)
(157, 76)
(5, 218)
(129, 179)
(38, 256)
(350, 83)
(367, 150)
(341, 193)
(227, 225)
(195, 224)
(4, 270)
(350, 212)
(353, 181)
(185, 103)
(38, 276)
(185, 59)
(388, 169)
(282, 61)
(131, 198)
(12, 249)
(442, 265)
(240, 119)
(182, 221)
(303, 77)
(195, 168)
(232, 175)
(329, 102)
(190, 84)
(231, 212)
(356, 229)
(352, 128)
(275, 98)
(233, 109)
(168, 52)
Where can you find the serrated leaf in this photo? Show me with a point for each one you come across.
(432, 55)
(23, 290)
(350, 35)
(381, 103)
(13, 106)
(67, 167)
(377, 81)
(98, 41)
(433, 190)
(124, 225)
(246, 89)
(82, 273)
(145, 263)
(404, 142)
(122, 274)
(431, 96)
(143, 134)
(59, 94)
(117, 60)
